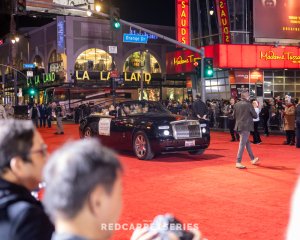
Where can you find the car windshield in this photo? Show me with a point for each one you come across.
(132, 108)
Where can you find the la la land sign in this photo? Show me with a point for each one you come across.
(105, 76)
(39, 79)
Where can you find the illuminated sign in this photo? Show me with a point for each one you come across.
(138, 32)
(51, 6)
(183, 21)
(223, 18)
(105, 76)
(236, 56)
(276, 19)
(271, 55)
(60, 22)
(188, 59)
(37, 79)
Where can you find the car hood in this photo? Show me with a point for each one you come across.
(157, 117)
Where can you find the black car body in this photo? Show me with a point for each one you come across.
(147, 128)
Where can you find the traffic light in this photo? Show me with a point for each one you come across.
(115, 18)
(208, 67)
(20, 6)
(197, 66)
(31, 92)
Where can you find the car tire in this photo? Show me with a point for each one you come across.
(87, 133)
(196, 152)
(142, 147)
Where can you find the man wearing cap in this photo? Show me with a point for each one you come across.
(244, 114)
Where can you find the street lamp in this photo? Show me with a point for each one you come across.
(98, 8)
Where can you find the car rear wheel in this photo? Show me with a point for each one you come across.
(197, 152)
(141, 146)
(87, 132)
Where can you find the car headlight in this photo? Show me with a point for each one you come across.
(166, 132)
(163, 127)
(203, 130)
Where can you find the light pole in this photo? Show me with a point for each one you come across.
(142, 74)
(13, 55)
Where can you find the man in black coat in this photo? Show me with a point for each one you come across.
(22, 158)
(244, 113)
(199, 108)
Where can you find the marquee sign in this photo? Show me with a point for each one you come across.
(37, 80)
(236, 56)
(224, 22)
(183, 21)
(105, 76)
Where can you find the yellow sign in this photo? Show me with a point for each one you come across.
(271, 55)
(189, 59)
(105, 76)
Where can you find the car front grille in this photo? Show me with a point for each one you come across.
(186, 129)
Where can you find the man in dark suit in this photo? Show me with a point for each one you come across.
(244, 113)
(22, 157)
(199, 108)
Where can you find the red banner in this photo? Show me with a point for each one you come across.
(237, 56)
(224, 22)
(183, 21)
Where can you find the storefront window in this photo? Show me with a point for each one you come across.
(177, 94)
(56, 63)
(93, 59)
(151, 94)
(145, 60)
(283, 82)
(218, 87)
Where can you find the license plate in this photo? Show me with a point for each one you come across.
(190, 143)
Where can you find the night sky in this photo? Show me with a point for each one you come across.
(161, 12)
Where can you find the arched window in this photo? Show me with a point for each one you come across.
(146, 60)
(55, 57)
(93, 59)
(38, 62)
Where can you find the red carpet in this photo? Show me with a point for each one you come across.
(208, 190)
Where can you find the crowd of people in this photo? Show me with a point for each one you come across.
(272, 114)
(89, 174)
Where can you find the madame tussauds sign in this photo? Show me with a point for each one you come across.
(271, 55)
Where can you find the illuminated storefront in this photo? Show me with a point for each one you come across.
(83, 59)
(93, 59)
(267, 71)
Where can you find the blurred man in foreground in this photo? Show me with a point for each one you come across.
(84, 193)
(22, 158)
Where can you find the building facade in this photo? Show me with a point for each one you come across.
(82, 52)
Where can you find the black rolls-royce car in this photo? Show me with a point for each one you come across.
(147, 128)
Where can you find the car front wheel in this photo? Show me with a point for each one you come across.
(141, 146)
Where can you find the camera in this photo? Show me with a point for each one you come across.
(167, 225)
